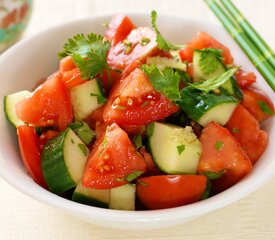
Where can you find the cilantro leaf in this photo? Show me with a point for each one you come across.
(162, 43)
(208, 60)
(180, 148)
(100, 99)
(89, 53)
(215, 82)
(166, 81)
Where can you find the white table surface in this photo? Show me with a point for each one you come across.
(22, 218)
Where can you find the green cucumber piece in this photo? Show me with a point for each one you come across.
(9, 106)
(163, 62)
(204, 108)
(63, 160)
(83, 131)
(86, 98)
(175, 150)
(212, 67)
(123, 197)
(92, 197)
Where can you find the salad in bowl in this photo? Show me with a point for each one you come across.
(131, 121)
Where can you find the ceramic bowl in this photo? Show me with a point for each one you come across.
(38, 58)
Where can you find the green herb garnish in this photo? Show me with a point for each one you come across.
(215, 82)
(132, 176)
(180, 148)
(150, 129)
(162, 43)
(214, 175)
(88, 53)
(83, 148)
(235, 130)
(100, 99)
(145, 41)
(265, 108)
(137, 140)
(165, 81)
(219, 145)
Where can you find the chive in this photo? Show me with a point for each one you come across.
(219, 145)
(132, 176)
(250, 31)
(180, 148)
(214, 175)
(83, 148)
(207, 190)
(265, 108)
(150, 129)
(256, 57)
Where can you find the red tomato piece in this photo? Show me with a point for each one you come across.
(112, 159)
(119, 28)
(139, 44)
(246, 129)
(49, 105)
(245, 79)
(151, 168)
(134, 101)
(221, 152)
(258, 104)
(167, 191)
(29, 150)
(203, 40)
(69, 73)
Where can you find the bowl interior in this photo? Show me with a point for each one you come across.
(31, 59)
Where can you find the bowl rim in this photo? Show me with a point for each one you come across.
(164, 215)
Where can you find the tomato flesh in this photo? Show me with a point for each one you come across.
(204, 40)
(135, 102)
(246, 129)
(124, 54)
(245, 79)
(109, 162)
(118, 28)
(49, 105)
(221, 152)
(167, 191)
(258, 104)
(29, 149)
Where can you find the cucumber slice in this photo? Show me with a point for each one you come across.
(175, 150)
(211, 67)
(92, 197)
(207, 107)
(9, 106)
(63, 161)
(85, 98)
(163, 62)
(123, 197)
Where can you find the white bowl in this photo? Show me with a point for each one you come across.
(36, 57)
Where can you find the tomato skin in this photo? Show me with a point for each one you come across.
(49, 105)
(251, 101)
(118, 56)
(228, 157)
(137, 88)
(245, 79)
(69, 73)
(246, 129)
(109, 162)
(29, 150)
(204, 40)
(151, 168)
(167, 191)
(118, 28)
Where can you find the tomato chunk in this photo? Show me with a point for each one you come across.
(139, 44)
(246, 129)
(110, 163)
(167, 191)
(29, 150)
(118, 28)
(49, 105)
(245, 79)
(135, 102)
(204, 40)
(258, 104)
(69, 73)
(221, 153)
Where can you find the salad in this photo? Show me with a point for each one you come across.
(131, 121)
